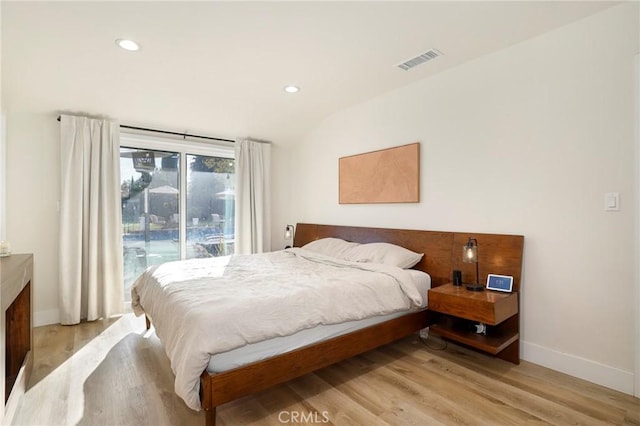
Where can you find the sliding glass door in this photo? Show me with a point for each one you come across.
(150, 189)
(177, 203)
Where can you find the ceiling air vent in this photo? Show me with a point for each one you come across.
(420, 59)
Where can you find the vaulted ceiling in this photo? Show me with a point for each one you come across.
(219, 68)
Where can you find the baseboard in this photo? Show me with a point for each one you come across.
(585, 369)
(40, 318)
(52, 316)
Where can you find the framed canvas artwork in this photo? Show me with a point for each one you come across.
(389, 175)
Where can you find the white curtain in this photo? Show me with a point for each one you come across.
(253, 206)
(91, 277)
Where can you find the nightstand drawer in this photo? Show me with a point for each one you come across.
(488, 307)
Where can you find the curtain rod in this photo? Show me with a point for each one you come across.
(184, 135)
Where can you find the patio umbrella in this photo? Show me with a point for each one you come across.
(164, 189)
(226, 194)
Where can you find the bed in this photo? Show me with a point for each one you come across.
(238, 374)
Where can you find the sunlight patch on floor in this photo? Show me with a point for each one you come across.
(65, 383)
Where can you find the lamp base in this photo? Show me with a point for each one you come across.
(475, 287)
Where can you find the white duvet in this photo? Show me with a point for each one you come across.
(202, 307)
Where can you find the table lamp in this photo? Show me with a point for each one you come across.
(470, 255)
(288, 235)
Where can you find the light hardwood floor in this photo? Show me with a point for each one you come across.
(116, 373)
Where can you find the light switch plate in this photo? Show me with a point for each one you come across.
(612, 201)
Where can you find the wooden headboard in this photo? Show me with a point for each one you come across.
(498, 254)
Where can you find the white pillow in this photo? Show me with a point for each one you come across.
(334, 247)
(389, 254)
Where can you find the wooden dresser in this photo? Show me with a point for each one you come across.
(16, 355)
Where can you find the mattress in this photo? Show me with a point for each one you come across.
(268, 348)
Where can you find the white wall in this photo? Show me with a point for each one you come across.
(524, 141)
(3, 179)
(3, 138)
(281, 195)
(33, 182)
(2, 217)
(637, 233)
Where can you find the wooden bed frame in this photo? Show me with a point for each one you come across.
(442, 253)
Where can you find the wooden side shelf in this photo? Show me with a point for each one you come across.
(460, 308)
(494, 342)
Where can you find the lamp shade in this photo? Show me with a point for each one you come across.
(288, 232)
(470, 252)
(470, 255)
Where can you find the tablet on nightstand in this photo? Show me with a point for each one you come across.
(499, 283)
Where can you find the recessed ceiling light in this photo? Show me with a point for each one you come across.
(291, 89)
(128, 44)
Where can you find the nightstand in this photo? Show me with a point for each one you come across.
(459, 308)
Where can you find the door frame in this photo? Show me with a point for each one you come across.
(636, 387)
(182, 147)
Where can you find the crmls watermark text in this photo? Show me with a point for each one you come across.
(303, 417)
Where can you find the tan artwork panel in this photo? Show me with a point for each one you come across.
(387, 176)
